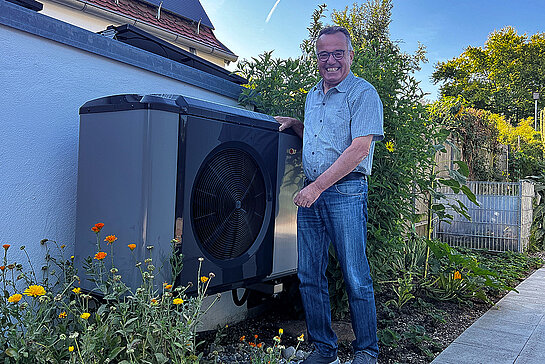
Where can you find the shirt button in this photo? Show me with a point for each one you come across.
(314, 170)
(312, 153)
(315, 135)
(320, 120)
(323, 103)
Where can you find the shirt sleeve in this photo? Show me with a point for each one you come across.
(366, 114)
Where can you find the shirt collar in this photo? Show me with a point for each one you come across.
(341, 87)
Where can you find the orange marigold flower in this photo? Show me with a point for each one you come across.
(110, 239)
(252, 344)
(242, 338)
(168, 286)
(98, 226)
(100, 255)
(2, 267)
(132, 246)
(15, 298)
(6, 246)
(301, 338)
(204, 279)
(259, 345)
(178, 301)
(85, 315)
(457, 275)
(255, 336)
(153, 301)
(34, 291)
(63, 314)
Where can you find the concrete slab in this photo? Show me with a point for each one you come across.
(512, 332)
(509, 311)
(497, 337)
(457, 353)
(534, 350)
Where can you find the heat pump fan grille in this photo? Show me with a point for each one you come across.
(228, 205)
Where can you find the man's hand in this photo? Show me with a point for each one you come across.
(288, 122)
(308, 195)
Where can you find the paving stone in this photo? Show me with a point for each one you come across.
(458, 353)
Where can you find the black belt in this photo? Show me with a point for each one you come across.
(349, 177)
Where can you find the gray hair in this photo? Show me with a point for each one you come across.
(337, 29)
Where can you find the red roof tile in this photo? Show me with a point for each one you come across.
(174, 23)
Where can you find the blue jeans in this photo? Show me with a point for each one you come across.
(339, 216)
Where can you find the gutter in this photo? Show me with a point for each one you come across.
(115, 16)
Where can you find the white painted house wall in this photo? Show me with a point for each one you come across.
(43, 83)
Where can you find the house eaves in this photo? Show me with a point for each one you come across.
(162, 24)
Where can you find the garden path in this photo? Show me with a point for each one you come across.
(511, 332)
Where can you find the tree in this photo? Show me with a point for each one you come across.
(499, 77)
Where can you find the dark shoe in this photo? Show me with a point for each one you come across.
(316, 358)
(361, 357)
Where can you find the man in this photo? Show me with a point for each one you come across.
(343, 119)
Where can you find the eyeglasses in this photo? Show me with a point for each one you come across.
(324, 56)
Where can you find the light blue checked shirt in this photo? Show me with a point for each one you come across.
(349, 110)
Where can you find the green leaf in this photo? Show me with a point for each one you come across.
(470, 195)
(462, 168)
(12, 353)
(161, 358)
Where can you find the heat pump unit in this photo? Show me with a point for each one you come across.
(221, 179)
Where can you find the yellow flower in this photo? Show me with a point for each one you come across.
(70, 348)
(390, 146)
(85, 315)
(132, 246)
(281, 331)
(76, 290)
(62, 314)
(457, 275)
(178, 301)
(204, 279)
(34, 291)
(301, 338)
(15, 298)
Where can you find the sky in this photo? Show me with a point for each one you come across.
(445, 28)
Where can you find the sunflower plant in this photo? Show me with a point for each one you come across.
(45, 317)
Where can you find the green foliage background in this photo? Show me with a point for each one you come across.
(499, 77)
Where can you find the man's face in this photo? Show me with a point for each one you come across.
(333, 71)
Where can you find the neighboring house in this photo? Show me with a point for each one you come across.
(183, 23)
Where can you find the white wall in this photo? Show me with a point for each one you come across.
(43, 84)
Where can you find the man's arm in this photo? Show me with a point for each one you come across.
(347, 161)
(295, 124)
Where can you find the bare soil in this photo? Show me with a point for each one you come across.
(414, 334)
